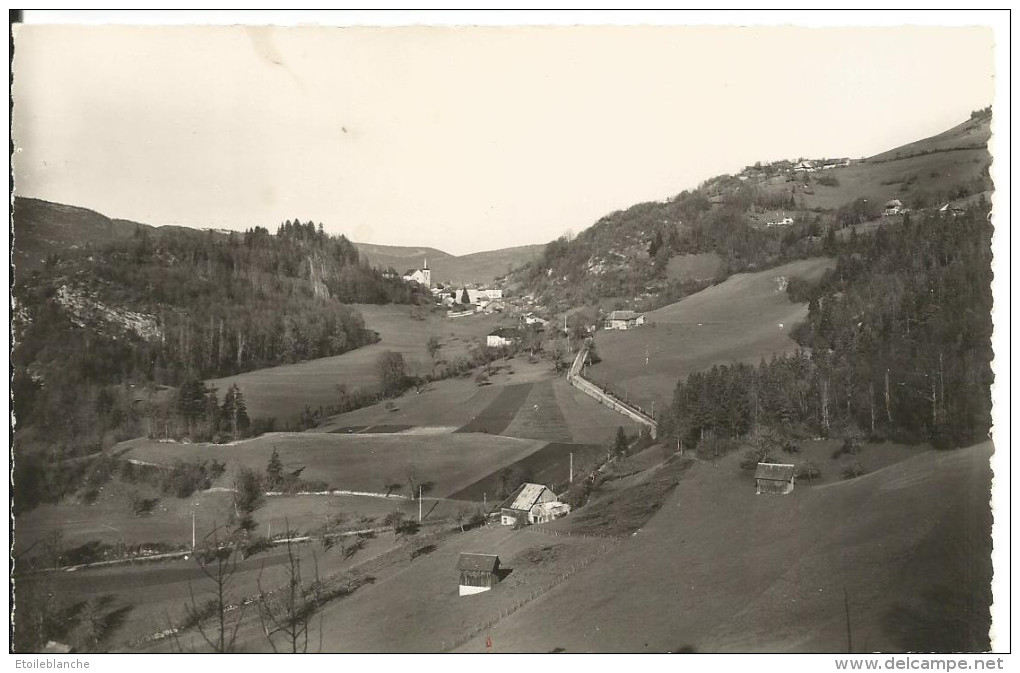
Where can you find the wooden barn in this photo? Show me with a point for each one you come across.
(774, 478)
(478, 572)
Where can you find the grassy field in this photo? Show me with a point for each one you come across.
(149, 596)
(550, 465)
(283, 391)
(552, 411)
(495, 417)
(418, 609)
(702, 266)
(881, 181)
(111, 520)
(742, 319)
(360, 462)
(722, 569)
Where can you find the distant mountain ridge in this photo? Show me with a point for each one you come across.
(43, 228)
(476, 268)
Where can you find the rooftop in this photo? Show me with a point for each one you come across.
(775, 471)
(525, 497)
(480, 562)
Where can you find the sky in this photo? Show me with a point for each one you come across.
(459, 138)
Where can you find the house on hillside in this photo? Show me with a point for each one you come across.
(422, 276)
(478, 572)
(835, 163)
(502, 336)
(786, 220)
(624, 320)
(892, 207)
(477, 295)
(805, 166)
(774, 478)
(532, 319)
(531, 503)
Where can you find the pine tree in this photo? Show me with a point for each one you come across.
(620, 444)
(274, 470)
(235, 412)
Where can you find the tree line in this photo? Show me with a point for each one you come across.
(102, 333)
(897, 345)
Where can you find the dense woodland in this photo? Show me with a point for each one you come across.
(897, 345)
(103, 334)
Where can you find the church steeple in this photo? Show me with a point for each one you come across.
(426, 263)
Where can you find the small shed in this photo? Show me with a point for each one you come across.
(478, 572)
(774, 478)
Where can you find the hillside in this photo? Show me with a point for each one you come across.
(743, 319)
(724, 570)
(477, 267)
(42, 229)
(118, 311)
(763, 216)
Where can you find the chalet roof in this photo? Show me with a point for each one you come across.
(624, 315)
(505, 332)
(774, 471)
(481, 562)
(525, 497)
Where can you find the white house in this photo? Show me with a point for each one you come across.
(893, 207)
(624, 320)
(422, 276)
(532, 503)
(806, 166)
(501, 336)
(780, 223)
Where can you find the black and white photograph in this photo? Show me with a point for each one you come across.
(469, 333)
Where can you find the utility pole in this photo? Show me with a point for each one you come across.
(570, 479)
(419, 503)
(192, 530)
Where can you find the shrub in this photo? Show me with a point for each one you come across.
(90, 552)
(184, 478)
(141, 506)
(854, 470)
(827, 180)
(715, 447)
(255, 545)
(809, 471)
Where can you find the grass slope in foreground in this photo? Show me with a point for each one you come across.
(721, 569)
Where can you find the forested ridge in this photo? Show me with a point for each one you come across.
(101, 331)
(897, 345)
